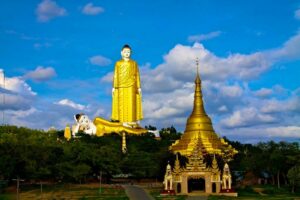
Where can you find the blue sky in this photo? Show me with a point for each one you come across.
(58, 57)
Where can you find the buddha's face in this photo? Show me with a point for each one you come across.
(125, 53)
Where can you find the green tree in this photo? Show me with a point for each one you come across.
(294, 177)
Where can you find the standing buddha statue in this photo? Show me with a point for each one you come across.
(126, 92)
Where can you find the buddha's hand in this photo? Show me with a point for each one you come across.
(112, 91)
(139, 90)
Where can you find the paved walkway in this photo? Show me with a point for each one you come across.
(137, 193)
(196, 198)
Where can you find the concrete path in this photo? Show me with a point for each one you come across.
(136, 193)
(196, 198)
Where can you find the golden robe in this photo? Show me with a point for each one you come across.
(126, 100)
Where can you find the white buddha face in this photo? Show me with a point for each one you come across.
(84, 122)
(125, 53)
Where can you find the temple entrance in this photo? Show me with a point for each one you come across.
(196, 185)
(178, 188)
(214, 188)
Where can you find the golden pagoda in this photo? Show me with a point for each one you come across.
(198, 143)
(199, 131)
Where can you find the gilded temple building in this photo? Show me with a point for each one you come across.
(198, 142)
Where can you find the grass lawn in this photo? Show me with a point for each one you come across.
(7, 196)
(261, 192)
(68, 191)
(112, 192)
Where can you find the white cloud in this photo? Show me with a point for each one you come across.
(100, 112)
(283, 131)
(274, 106)
(201, 37)
(69, 103)
(16, 85)
(263, 92)
(45, 114)
(231, 90)
(223, 108)
(18, 94)
(168, 105)
(271, 92)
(20, 117)
(41, 74)
(23, 113)
(159, 83)
(23, 107)
(100, 60)
(48, 10)
(257, 134)
(297, 14)
(264, 133)
(15, 102)
(107, 78)
(179, 64)
(289, 50)
(90, 9)
(247, 117)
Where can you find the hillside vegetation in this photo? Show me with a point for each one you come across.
(35, 155)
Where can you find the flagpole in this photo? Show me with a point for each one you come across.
(3, 98)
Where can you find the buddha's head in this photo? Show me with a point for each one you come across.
(126, 52)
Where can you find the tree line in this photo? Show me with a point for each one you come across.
(36, 155)
(278, 163)
(47, 155)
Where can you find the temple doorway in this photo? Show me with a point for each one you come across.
(196, 185)
(178, 188)
(214, 188)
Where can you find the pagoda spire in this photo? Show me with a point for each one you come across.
(198, 101)
(198, 116)
(197, 64)
(199, 132)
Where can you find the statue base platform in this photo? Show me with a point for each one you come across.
(228, 192)
(104, 126)
(167, 192)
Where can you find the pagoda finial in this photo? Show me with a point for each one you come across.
(197, 73)
(197, 64)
